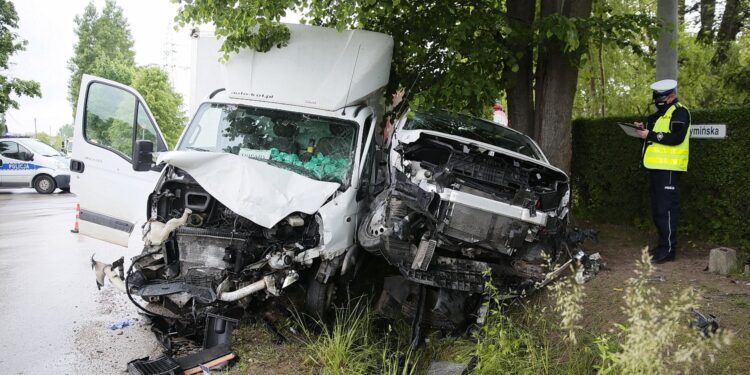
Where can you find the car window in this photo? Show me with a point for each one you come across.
(146, 130)
(110, 113)
(476, 129)
(9, 149)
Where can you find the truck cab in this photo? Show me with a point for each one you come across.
(266, 184)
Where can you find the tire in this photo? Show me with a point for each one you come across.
(45, 184)
(370, 241)
(319, 298)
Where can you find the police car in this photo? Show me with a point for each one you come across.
(27, 162)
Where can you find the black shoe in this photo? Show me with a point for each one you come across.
(669, 257)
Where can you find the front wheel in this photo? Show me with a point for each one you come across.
(44, 184)
(319, 299)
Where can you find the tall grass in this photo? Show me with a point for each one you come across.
(353, 346)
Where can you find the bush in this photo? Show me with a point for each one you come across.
(609, 185)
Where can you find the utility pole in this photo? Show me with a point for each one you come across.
(666, 46)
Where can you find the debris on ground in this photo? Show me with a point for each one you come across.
(707, 324)
(120, 324)
(215, 354)
(590, 266)
(657, 279)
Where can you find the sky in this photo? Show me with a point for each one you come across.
(48, 27)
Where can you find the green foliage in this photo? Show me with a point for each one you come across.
(104, 48)
(614, 81)
(609, 185)
(153, 84)
(10, 45)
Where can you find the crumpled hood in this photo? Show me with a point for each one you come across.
(251, 188)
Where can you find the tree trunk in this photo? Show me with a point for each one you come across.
(556, 80)
(731, 23)
(519, 88)
(666, 46)
(708, 12)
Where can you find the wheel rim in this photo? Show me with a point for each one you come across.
(44, 184)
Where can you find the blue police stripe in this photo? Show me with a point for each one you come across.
(19, 167)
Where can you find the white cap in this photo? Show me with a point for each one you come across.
(664, 86)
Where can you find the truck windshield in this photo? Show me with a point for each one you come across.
(476, 129)
(316, 147)
(41, 148)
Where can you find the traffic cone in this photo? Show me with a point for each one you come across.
(78, 217)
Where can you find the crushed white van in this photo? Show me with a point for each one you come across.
(267, 182)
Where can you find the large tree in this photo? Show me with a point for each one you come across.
(464, 53)
(104, 47)
(10, 44)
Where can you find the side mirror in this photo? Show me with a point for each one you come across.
(28, 156)
(142, 158)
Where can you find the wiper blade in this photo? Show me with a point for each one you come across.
(197, 148)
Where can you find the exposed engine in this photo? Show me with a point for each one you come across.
(198, 253)
(456, 212)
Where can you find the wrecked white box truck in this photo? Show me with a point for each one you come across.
(266, 183)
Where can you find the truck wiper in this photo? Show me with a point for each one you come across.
(197, 148)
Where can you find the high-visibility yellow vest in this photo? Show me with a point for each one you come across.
(670, 158)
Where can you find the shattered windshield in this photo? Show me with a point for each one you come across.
(317, 147)
(476, 129)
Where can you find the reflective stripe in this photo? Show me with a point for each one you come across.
(664, 157)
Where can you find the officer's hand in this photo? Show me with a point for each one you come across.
(643, 133)
(639, 124)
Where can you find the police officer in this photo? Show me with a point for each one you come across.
(665, 154)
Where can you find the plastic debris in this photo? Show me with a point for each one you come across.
(707, 324)
(319, 165)
(120, 324)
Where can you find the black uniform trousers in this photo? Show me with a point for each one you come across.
(665, 209)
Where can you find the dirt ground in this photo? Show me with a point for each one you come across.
(726, 297)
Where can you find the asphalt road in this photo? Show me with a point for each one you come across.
(52, 317)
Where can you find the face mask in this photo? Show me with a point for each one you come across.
(660, 105)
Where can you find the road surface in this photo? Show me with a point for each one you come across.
(52, 317)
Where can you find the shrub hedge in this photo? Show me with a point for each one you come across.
(609, 185)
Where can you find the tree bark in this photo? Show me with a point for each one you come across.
(556, 80)
(708, 12)
(731, 23)
(520, 83)
(666, 46)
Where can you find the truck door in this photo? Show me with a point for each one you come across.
(17, 166)
(110, 118)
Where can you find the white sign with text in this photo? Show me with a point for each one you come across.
(708, 131)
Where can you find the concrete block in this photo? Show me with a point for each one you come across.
(722, 260)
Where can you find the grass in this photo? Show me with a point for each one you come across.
(539, 335)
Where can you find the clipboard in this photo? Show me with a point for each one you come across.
(629, 129)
